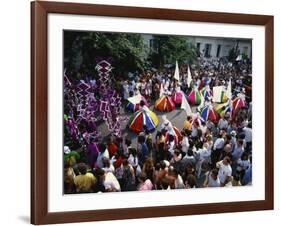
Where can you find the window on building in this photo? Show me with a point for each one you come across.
(153, 44)
(218, 51)
(245, 50)
(208, 50)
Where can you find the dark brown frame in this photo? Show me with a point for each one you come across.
(39, 112)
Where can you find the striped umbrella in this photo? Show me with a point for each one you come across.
(177, 97)
(222, 109)
(238, 103)
(206, 93)
(198, 119)
(194, 98)
(134, 103)
(174, 131)
(141, 118)
(208, 113)
(164, 103)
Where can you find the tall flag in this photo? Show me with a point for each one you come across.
(228, 90)
(177, 72)
(185, 105)
(189, 78)
(161, 90)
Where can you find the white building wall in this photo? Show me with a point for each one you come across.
(245, 46)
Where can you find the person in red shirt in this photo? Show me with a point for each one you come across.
(111, 147)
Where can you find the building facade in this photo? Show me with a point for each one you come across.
(213, 47)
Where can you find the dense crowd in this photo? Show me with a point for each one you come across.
(209, 154)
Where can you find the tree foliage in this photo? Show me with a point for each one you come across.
(233, 53)
(83, 49)
(168, 49)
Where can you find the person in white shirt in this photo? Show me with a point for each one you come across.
(194, 129)
(107, 166)
(212, 179)
(248, 134)
(219, 143)
(171, 144)
(103, 153)
(184, 143)
(218, 148)
(203, 155)
(223, 123)
(110, 183)
(248, 138)
(225, 171)
(243, 164)
(238, 150)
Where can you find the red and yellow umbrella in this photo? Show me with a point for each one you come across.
(164, 103)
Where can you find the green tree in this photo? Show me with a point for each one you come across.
(233, 53)
(168, 49)
(82, 49)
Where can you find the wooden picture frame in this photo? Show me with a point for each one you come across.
(39, 112)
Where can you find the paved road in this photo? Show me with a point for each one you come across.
(177, 118)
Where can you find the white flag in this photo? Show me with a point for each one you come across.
(228, 91)
(218, 92)
(135, 99)
(177, 72)
(185, 105)
(161, 90)
(189, 78)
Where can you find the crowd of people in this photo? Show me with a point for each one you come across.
(205, 154)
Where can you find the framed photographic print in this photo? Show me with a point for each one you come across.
(147, 112)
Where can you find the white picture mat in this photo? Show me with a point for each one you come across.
(59, 202)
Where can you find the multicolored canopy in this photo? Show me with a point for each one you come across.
(134, 102)
(197, 119)
(177, 97)
(206, 93)
(208, 113)
(194, 98)
(238, 103)
(164, 103)
(222, 109)
(176, 133)
(141, 118)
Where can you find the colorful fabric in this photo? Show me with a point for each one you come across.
(237, 104)
(134, 103)
(194, 98)
(164, 103)
(177, 97)
(141, 118)
(176, 133)
(208, 113)
(198, 119)
(206, 93)
(222, 109)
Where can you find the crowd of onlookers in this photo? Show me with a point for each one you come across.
(209, 154)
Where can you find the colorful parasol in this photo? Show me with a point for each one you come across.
(206, 93)
(134, 102)
(222, 109)
(141, 118)
(176, 133)
(197, 119)
(177, 97)
(194, 98)
(208, 113)
(238, 103)
(164, 103)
